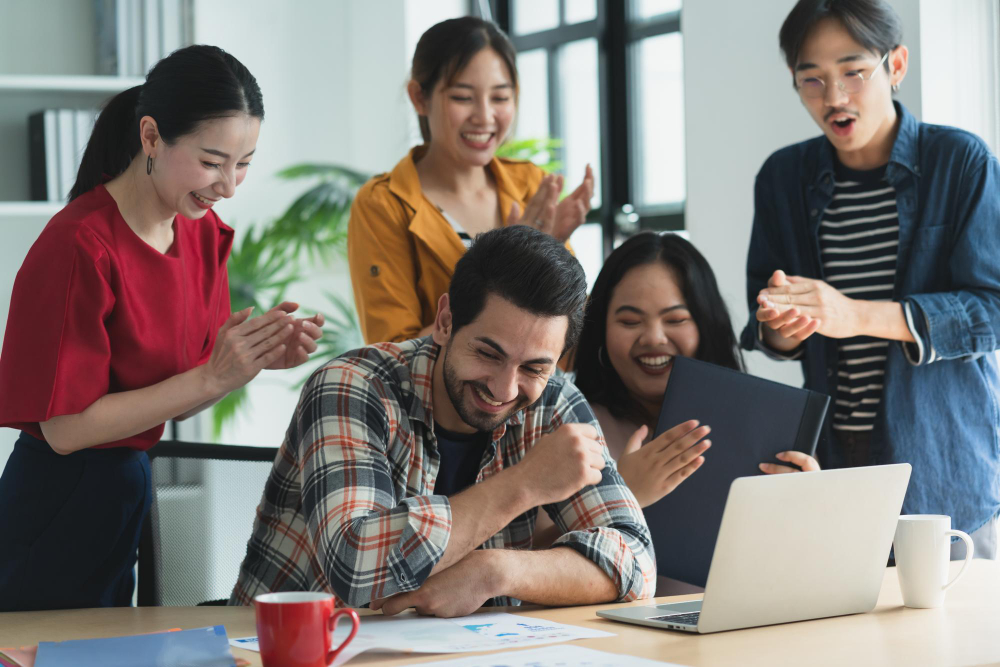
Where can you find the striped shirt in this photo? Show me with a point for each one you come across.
(349, 507)
(463, 235)
(858, 237)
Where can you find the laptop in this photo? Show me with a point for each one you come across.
(792, 548)
(752, 419)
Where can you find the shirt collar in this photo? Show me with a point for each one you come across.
(405, 183)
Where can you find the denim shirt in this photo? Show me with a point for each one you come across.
(939, 409)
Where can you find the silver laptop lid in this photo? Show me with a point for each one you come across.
(800, 546)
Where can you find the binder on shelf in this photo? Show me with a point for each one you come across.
(43, 156)
(56, 141)
(66, 141)
(106, 19)
(134, 34)
(85, 119)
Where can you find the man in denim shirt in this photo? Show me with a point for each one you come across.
(875, 261)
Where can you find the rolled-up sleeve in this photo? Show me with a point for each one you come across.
(604, 523)
(369, 542)
(964, 322)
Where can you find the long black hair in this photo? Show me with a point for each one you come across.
(447, 47)
(191, 85)
(595, 376)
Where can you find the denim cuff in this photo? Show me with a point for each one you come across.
(918, 352)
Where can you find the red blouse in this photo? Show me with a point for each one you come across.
(96, 310)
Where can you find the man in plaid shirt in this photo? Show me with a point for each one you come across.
(412, 473)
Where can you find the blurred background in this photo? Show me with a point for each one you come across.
(675, 104)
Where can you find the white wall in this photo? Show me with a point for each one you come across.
(960, 51)
(333, 76)
(739, 108)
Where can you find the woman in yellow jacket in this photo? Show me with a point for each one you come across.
(409, 227)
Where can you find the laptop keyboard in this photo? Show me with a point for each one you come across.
(690, 618)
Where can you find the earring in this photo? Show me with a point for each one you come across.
(600, 358)
(895, 87)
(149, 164)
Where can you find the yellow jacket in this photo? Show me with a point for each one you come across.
(401, 250)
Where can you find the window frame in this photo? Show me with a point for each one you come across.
(616, 32)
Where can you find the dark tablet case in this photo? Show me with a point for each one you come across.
(752, 419)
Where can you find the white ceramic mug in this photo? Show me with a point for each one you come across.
(923, 550)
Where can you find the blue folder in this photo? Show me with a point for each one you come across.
(204, 647)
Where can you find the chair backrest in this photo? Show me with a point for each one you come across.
(195, 535)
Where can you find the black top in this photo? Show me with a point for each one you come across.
(461, 454)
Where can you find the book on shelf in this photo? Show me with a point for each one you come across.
(43, 156)
(56, 141)
(132, 35)
(66, 142)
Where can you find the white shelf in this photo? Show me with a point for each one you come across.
(81, 84)
(22, 209)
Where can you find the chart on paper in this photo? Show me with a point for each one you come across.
(410, 633)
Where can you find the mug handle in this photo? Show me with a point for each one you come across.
(970, 549)
(332, 624)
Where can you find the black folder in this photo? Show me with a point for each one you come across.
(752, 419)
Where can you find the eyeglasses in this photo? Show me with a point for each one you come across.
(851, 83)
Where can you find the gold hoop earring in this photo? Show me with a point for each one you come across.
(600, 360)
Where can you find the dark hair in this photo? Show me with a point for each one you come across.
(873, 24)
(191, 85)
(447, 47)
(597, 379)
(524, 266)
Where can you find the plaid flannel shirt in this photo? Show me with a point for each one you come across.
(349, 507)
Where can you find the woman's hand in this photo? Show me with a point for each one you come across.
(301, 342)
(654, 470)
(547, 214)
(572, 211)
(804, 462)
(246, 346)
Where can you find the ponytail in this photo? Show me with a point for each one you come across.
(113, 143)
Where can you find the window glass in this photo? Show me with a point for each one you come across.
(533, 101)
(658, 119)
(535, 15)
(588, 246)
(578, 11)
(644, 9)
(580, 114)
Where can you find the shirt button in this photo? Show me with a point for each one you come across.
(813, 212)
(829, 372)
(374, 270)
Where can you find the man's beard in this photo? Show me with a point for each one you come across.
(477, 419)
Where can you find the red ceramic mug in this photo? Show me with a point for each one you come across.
(296, 629)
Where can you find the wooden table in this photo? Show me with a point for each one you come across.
(966, 631)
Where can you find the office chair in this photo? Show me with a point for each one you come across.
(195, 535)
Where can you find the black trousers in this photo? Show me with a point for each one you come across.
(69, 526)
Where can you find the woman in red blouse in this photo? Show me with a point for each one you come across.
(119, 320)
